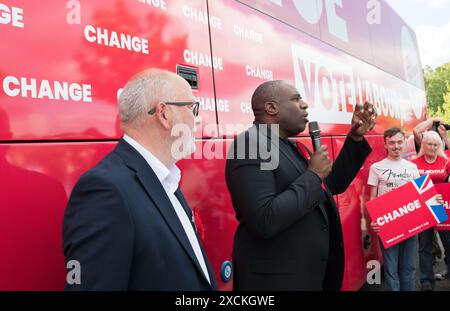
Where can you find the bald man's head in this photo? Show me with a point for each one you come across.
(278, 102)
(156, 109)
(266, 92)
(146, 89)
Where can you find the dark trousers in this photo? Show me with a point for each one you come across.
(400, 265)
(426, 254)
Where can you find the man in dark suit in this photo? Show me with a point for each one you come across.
(127, 223)
(289, 235)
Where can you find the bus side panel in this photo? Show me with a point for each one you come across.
(60, 77)
(360, 241)
(36, 180)
(254, 48)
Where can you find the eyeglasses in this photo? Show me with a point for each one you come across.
(194, 106)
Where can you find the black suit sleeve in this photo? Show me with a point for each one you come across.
(257, 203)
(98, 232)
(347, 165)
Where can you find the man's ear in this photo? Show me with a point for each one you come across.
(163, 115)
(271, 108)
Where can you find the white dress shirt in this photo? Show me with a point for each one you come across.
(170, 178)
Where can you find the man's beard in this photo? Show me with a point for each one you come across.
(183, 143)
(189, 143)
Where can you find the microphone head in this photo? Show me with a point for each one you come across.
(313, 127)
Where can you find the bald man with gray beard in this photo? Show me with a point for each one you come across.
(127, 224)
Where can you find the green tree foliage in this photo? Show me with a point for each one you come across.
(437, 85)
(446, 112)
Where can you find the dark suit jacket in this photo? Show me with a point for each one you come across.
(289, 235)
(122, 228)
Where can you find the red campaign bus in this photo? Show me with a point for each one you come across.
(63, 64)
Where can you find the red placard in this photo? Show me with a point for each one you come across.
(444, 190)
(406, 211)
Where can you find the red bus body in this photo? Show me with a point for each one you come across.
(63, 64)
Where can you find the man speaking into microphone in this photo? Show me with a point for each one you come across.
(289, 235)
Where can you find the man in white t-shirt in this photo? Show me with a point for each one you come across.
(386, 175)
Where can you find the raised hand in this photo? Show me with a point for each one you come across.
(363, 120)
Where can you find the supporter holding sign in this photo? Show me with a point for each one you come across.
(433, 161)
(385, 176)
(444, 190)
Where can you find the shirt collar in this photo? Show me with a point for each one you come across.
(170, 175)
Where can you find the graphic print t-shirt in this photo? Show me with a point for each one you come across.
(389, 174)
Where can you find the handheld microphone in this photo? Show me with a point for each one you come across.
(314, 132)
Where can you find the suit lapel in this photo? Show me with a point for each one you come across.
(289, 157)
(157, 194)
(162, 202)
(327, 192)
(189, 212)
(184, 204)
(210, 269)
(301, 170)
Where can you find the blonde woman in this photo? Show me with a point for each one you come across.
(432, 160)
